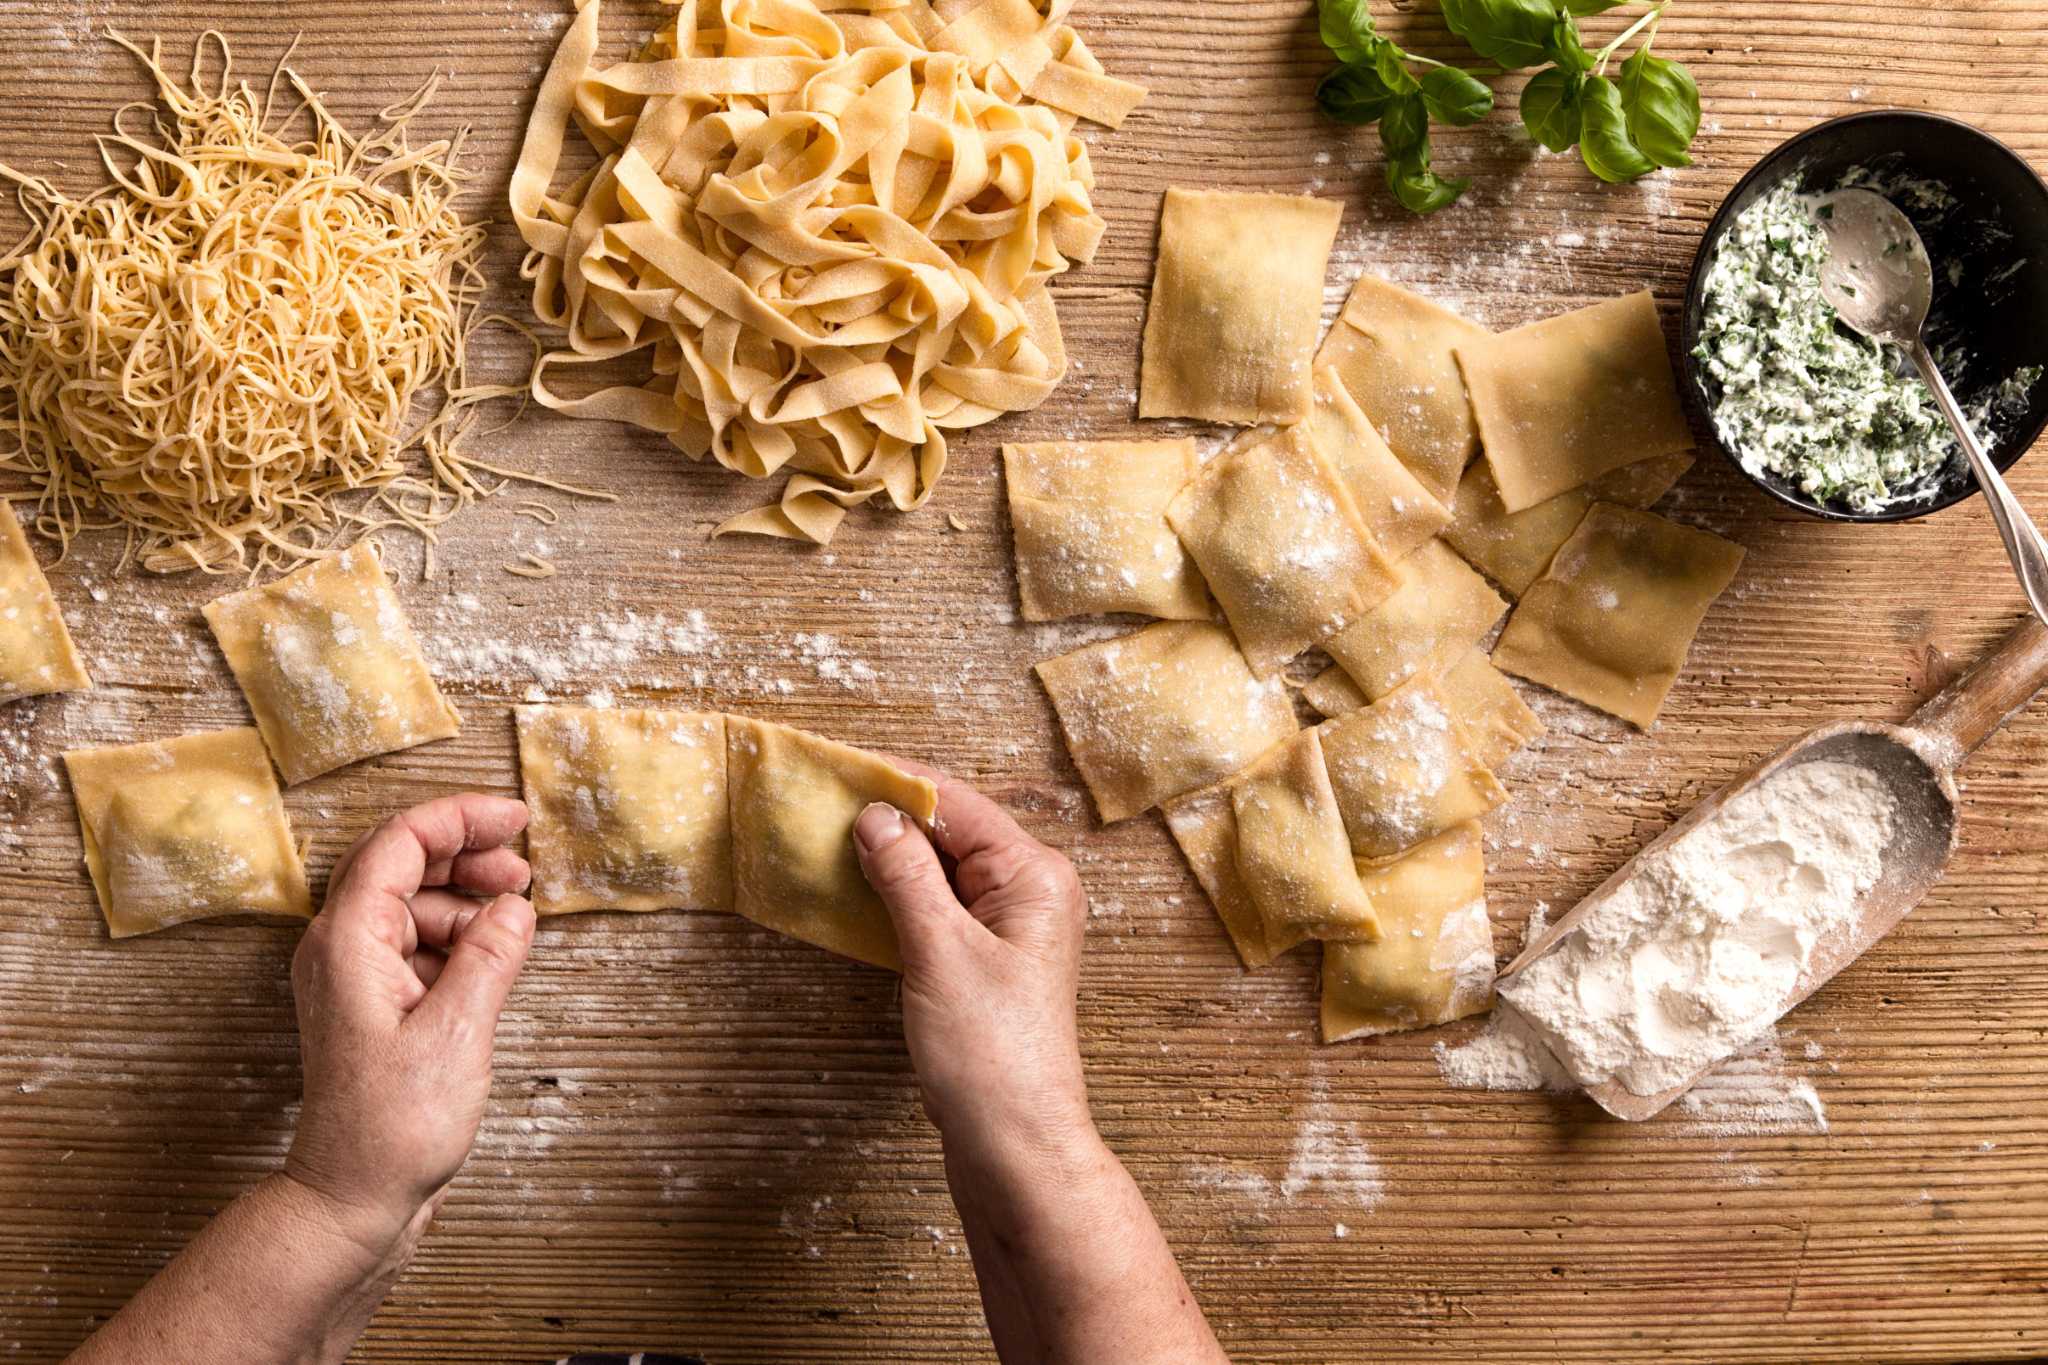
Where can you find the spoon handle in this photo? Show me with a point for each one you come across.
(2023, 543)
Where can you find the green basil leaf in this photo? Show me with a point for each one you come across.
(1347, 30)
(1455, 97)
(1391, 63)
(1582, 8)
(1662, 105)
(1550, 107)
(1565, 48)
(1604, 142)
(1404, 126)
(1353, 94)
(1509, 33)
(1418, 188)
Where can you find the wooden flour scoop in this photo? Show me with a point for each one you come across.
(1916, 761)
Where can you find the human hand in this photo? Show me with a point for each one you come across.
(991, 968)
(399, 983)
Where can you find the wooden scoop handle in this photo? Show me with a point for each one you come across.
(1970, 710)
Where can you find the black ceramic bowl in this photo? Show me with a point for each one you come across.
(2002, 218)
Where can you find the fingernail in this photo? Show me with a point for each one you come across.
(879, 826)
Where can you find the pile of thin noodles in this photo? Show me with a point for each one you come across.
(215, 352)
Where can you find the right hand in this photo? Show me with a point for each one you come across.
(991, 970)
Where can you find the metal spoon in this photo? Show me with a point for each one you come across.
(1880, 282)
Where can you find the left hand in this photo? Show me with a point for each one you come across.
(399, 983)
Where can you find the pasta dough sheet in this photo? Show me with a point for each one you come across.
(1089, 521)
(1611, 622)
(1281, 546)
(1514, 548)
(1434, 961)
(1405, 769)
(1442, 608)
(1204, 824)
(186, 829)
(1237, 300)
(330, 665)
(1393, 349)
(1393, 506)
(1563, 401)
(36, 653)
(629, 809)
(1160, 713)
(795, 797)
(1292, 852)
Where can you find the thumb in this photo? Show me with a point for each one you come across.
(905, 872)
(482, 965)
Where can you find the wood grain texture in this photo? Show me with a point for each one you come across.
(706, 1137)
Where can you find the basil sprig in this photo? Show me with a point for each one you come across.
(1624, 126)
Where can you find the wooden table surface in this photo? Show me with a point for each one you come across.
(705, 1137)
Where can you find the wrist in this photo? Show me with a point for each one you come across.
(364, 1243)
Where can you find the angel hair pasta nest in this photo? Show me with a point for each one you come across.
(214, 351)
(827, 228)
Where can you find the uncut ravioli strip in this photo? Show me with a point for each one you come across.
(1292, 852)
(794, 798)
(36, 653)
(1563, 401)
(1280, 544)
(1514, 548)
(1434, 960)
(1237, 300)
(1442, 608)
(185, 829)
(1153, 715)
(1611, 622)
(1089, 523)
(629, 809)
(1406, 769)
(330, 666)
(1394, 352)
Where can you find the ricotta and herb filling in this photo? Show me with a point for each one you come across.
(1814, 403)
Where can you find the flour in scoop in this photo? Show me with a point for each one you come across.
(1704, 947)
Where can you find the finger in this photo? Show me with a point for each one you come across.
(490, 872)
(390, 863)
(904, 870)
(440, 916)
(469, 994)
(427, 964)
(967, 822)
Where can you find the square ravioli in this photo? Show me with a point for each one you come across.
(1611, 622)
(1394, 351)
(1514, 548)
(1204, 824)
(1279, 542)
(1293, 855)
(1434, 959)
(629, 809)
(1406, 769)
(1498, 721)
(795, 797)
(36, 653)
(186, 829)
(330, 666)
(1562, 401)
(1089, 524)
(1393, 506)
(1442, 608)
(1237, 300)
(1157, 714)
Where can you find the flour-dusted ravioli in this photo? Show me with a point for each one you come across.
(36, 653)
(1204, 824)
(1293, 855)
(1332, 693)
(330, 666)
(1562, 401)
(1237, 300)
(1405, 769)
(186, 829)
(1514, 548)
(1611, 622)
(1494, 714)
(1279, 541)
(1394, 351)
(1153, 715)
(1393, 506)
(1434, 960)
(628, 809)
(795, 797)
(1089, 520)
(1442, 608)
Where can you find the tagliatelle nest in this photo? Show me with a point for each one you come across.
(828, 228)
(214, 350)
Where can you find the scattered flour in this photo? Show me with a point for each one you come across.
(1329, 1157)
